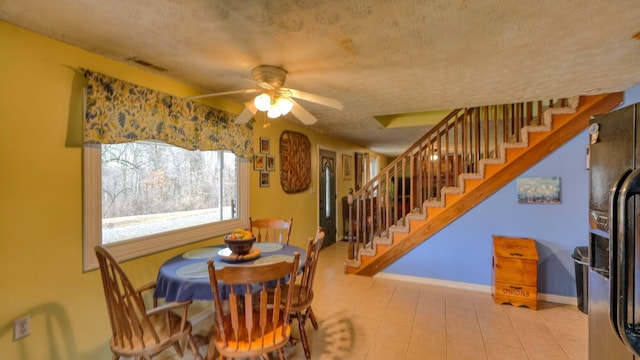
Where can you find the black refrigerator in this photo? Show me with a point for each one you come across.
(614, 246)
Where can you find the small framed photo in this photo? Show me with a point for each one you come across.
(258, 162)
(264, 179)
(265, 145)
(347, 166)
(271, 163)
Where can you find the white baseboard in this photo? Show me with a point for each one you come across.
(436, 282)
(559, 299)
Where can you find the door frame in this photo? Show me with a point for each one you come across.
(335, 186)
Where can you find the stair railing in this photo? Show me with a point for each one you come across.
(450, 148)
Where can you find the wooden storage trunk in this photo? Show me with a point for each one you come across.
(515, 271)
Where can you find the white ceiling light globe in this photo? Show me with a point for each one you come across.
(285, 105)
(273, 112)
(262, 102)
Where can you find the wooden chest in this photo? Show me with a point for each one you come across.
(515, 271)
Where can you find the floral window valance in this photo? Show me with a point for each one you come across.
(119, 112)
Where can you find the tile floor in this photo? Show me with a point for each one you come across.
(368, 318)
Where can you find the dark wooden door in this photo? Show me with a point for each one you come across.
(327, 195)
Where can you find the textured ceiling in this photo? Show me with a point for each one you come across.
(378, 57)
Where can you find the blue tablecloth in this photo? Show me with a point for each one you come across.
(185, 277)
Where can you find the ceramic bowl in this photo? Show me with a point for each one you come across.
(239, 246)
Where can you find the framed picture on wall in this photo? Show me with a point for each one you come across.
(271, 163)
(264, 179)
(347, 166)
(258, 162)
(265, 145)
(538, 190)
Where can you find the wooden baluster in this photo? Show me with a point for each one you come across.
(447, 158)
(368, 218)
(484, 123)
(387, 186)
(411, 182)
(511, 124)
(437, 164)
(463, 140)
(505, 128)
(358, 222)
(476, 128)
(456, 149)
(418, 175)
(403, 190)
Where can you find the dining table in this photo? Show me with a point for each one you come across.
(186, 277)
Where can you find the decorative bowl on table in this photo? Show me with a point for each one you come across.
(240, 243)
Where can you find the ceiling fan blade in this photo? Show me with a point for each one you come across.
(246, 91)
(244, 116)
(251, 106)
(302, 114)
(315, 98)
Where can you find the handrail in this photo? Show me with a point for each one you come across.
(450, 148)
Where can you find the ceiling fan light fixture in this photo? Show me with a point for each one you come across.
(273, 100)
(262, 102)
(284, 105)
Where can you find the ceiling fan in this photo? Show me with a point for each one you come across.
(273, 98)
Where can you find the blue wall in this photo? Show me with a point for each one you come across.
(631, 96)
(462, 251)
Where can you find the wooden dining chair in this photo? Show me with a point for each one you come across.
(252, 323)
(138, 332)
(271, 230)
(303, 291)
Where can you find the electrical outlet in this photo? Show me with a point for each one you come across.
(21, 327)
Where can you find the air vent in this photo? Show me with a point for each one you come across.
(146, 64)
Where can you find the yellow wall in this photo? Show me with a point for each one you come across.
(41, 198)
(272, 201)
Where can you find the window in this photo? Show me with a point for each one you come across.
(374, 166)
(144, 197)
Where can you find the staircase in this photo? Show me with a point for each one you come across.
(458, 163)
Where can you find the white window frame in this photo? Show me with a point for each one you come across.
(124, 250)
